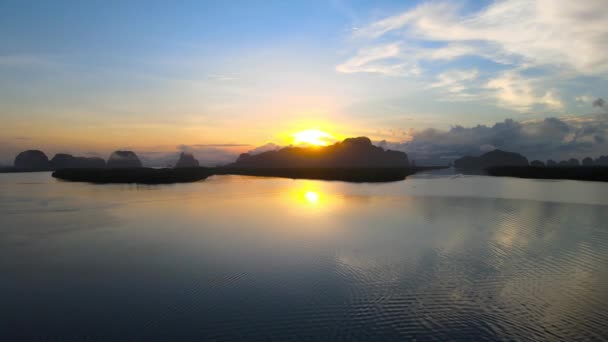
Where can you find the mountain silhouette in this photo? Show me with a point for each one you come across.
(601, 161)
(186, 160)
(123, 159)
(491, 159)
(33, 160)
(350, 153)
(587, 161)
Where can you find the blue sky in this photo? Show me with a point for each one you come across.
(85, 76)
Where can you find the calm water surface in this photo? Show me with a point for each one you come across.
(435, 257)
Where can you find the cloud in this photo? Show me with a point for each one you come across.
(599, 103)
(555, 138)
(583, 99)
(379, 59)
(265, 148)
(487, 148)
(515, 92)
(454, 81)
(563, 33)
(562, 39)
(424, 15)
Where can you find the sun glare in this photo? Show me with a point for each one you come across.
(313, 137)
(312, 197)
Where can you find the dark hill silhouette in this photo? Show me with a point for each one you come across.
(537, 163)
(350, 153)
(32, 160)
(601, 161)
(186, 160)
(68, 161)
(352, 160)
(123, 159)
(587, 161)
(491, 159)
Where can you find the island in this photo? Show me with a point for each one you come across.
(490, 159)
(141, 175)
(351, 160)
(509, 164)
(31, 160)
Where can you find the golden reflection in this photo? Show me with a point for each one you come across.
(311, 197)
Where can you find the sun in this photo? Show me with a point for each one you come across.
(311, 197)
(313, 137)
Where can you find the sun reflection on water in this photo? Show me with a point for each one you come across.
(311, 197)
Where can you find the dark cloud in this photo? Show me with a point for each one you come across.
(599, 102)
(553, 138)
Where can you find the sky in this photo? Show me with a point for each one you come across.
(436, 79)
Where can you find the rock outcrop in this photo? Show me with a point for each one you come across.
(587, 161)
(350, 153)
(601, 161)
(573, 162)
(67, 161)
(123, 159)
(186, 160)
(491, 159)
(34, 160)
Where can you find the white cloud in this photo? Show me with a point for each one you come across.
(448, 52)
(454, 81)
(518, 93)
(562, 38)
(425, 15)
(583, 99)
(378, 59)
(543, 32)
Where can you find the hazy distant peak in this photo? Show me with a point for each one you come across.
(123, 159)
(186, 160)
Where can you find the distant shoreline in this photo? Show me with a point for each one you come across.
(12, 169)
(582, 173)
(184, 175)
(357, 175)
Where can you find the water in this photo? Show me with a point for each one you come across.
(435, 257)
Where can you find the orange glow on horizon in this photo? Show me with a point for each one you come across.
(313, 137)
